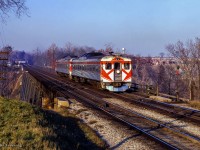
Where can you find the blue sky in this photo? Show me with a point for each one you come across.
(143, 27)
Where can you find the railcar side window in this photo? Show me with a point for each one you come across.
(108, 66)
(97, 68)
(126, 66)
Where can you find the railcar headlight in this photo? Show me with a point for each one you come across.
(118, 71)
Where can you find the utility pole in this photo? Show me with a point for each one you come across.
(177, 80)
(4, 55)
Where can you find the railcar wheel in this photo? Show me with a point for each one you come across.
(82, 80)
(103, 86)
(98, 85)
(76, 79)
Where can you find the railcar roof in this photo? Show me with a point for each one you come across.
(92, 55)
(111, 57)
(66, 58)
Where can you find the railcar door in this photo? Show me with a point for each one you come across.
(117, 72)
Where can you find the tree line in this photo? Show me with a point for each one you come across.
(182, 77)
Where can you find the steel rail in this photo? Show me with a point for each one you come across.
(165, 106)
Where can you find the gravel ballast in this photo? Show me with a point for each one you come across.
(117, 136)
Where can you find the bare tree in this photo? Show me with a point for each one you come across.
(37, 57)
(184, 55)
(77, 50)
(162, 54)
(7, 48)
(109, 47)
(159, 77)
(196, 56)
(170, 78)
(69, 48)
(51, 53)
(18, 6)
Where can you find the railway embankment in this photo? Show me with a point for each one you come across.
(24, 126)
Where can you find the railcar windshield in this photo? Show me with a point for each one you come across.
(117, 66)
(127, 66)
(108, 66)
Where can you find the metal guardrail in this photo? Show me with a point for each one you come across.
(173, 97)
(150, 90)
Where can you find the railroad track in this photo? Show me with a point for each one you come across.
(165, 135)
(178, 112)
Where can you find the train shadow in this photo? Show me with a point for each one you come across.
(65, 133)
(130, 90)
(125, 140)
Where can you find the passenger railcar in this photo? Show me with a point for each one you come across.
(111, 72)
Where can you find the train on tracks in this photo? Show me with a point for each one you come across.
(112, 72)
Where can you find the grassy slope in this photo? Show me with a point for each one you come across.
(31, 127)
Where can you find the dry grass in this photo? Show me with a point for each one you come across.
(194, 104)
(29, 127)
